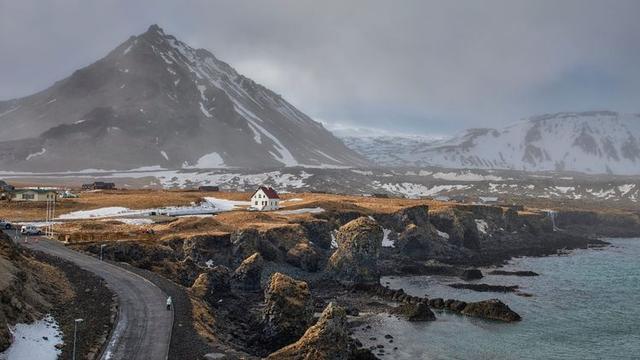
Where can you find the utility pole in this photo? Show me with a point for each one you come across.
(75, 332)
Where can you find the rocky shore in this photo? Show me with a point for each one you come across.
(255, 292)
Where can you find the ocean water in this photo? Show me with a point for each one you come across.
(585, 306)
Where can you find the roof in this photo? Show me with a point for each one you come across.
(41, 191)
(269, 191)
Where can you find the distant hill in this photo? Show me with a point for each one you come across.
(154, 100)
(590, 142)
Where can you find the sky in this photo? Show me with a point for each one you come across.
(385, 67)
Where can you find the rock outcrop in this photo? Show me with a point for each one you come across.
(247, 275)
(493, 309)
(355, 260)
(416, 311)
(288, 310)
(471, 274)
(304, 256)
(328, 339)
(213, 284)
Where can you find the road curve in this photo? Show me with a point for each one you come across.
(143, 329)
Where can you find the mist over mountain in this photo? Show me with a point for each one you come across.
(155, 100)
(599, 142)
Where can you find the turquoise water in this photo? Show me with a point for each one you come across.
(585, 306)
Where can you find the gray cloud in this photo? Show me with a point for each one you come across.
(406, 66)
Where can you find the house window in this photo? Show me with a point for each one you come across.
(256, 203)
(28, 196)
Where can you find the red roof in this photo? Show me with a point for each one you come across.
(270, 192)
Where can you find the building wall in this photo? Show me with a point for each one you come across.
(261, 202)
(34, 196)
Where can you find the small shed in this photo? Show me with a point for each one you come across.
(208, 188)
(265, 199)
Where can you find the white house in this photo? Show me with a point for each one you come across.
(265, 199)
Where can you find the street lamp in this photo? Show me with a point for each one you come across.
(101, 250)
(75, 332)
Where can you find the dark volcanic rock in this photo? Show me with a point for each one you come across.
(471, 274)
(493, 309)
(485, 287)
(304, 256)
(416, 312)
(213, 284)
(437, 303)
(355, 260)
(288, 310)
(328, 339)
(513, 273)
(247, 275)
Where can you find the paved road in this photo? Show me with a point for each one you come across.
(143, 330)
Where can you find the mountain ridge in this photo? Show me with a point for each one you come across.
(593, 142)
(154, 100)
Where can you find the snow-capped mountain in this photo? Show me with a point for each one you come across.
(600, 142)
(154, 100)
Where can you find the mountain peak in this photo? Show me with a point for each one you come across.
(172, 106)
(155, 28)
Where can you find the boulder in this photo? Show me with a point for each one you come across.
(328, 339)
(304, 256)
(247, 275)
(288, 310)
(355, 260)
(437, 303)
(213, 284)
(493, 309)
(471, 274)
(416, 312)
(514, 273)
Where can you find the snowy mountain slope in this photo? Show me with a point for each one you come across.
(589, 142)
(154, 100)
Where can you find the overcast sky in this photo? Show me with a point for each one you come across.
(419, 67)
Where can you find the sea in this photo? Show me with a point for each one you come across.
(584, 305)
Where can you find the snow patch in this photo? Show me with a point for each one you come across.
(39, 153)
(482, 225)
(212, 160)
(315, 210)
(386, 242)
(29, 341)
(164, 155)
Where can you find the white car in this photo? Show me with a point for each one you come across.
(30, 230)
(5, 224)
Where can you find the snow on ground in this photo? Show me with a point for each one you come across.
(35, 341)
(294, 199)
(413, 190)
(442, 234)
(213, 160)
(134, 221)
(226, 205)
(315, 210)
(386, 242)
(97, 213)
(466, 176)
(334, 242)
(482, 225)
